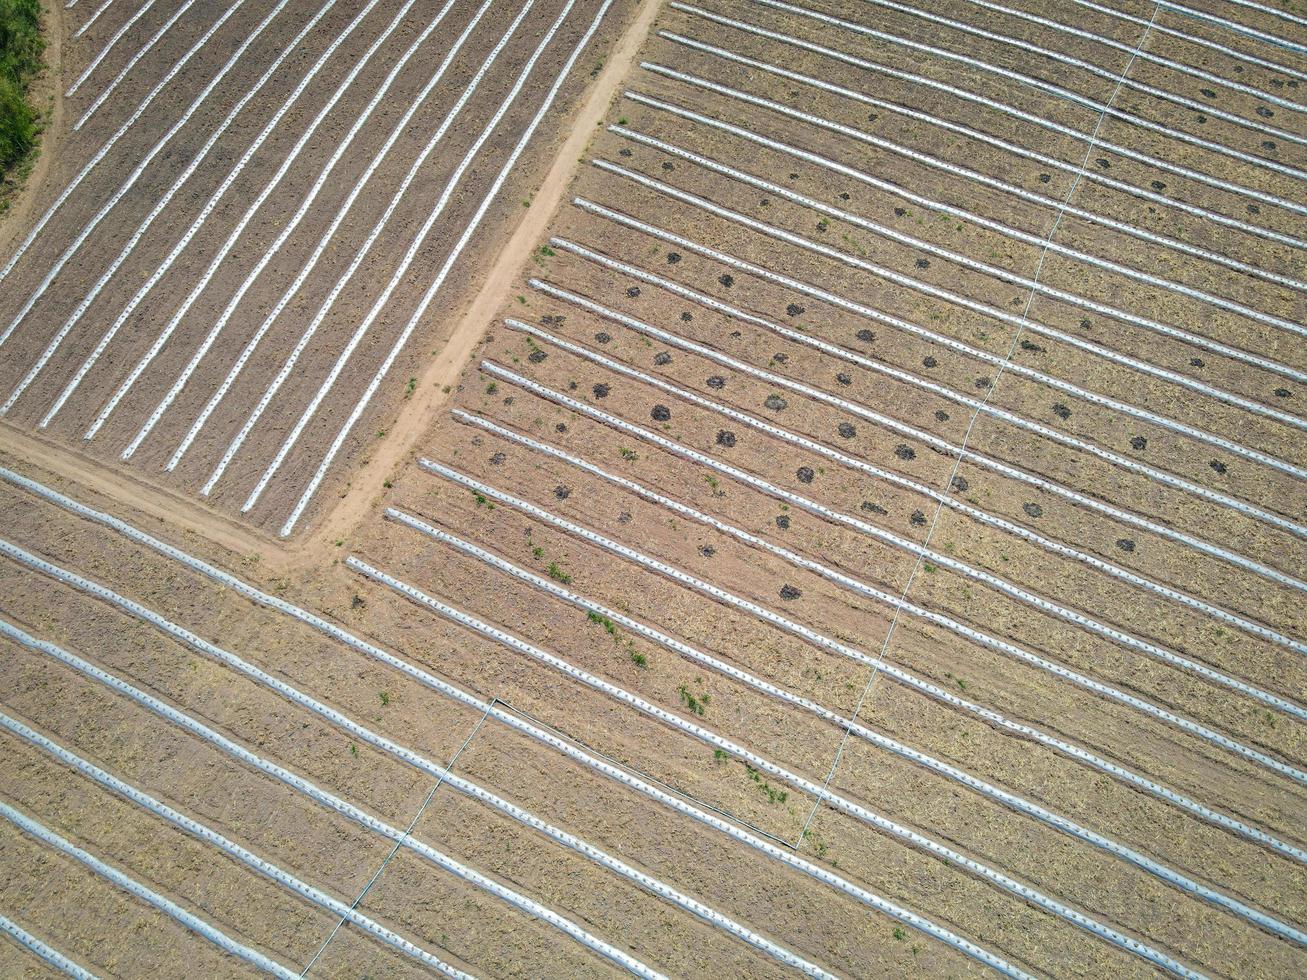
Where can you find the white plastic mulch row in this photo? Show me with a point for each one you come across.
(1105, 109)
(306, 266)
(1028, 48)
(194, 827)
(963, 214)
(400, 269)
(1094, 175)
(1011, 800)
(874, 314)
(205, 212)
(359, 63)
(147, 895)
(145, 161)
(317, 794)
(515, 722)
(95, 62)
(1002, 107)
(817, 792)
(941, 497)
(434, 287)
(44, 950)
(846, 581)
(1017, 592)
(1142, 55)
(1003, 646)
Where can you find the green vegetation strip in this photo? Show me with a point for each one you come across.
(21, 45)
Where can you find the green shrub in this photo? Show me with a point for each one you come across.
(21, 45)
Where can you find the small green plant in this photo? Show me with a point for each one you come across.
(410, 387)
(491, 388)
(609, 626)
(384, 696)
(621, 121)
(538, 551)
(353, 750)
(900, 933)
(629, 454)
(929, 568)
(719, 755)
(547, 252)
(697, 705)
(482, 500)
(521, 299)
(387, 484)
(640, 660)
(711, 481)
(558, 574)
(822, 225)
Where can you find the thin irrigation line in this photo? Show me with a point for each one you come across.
(408, 831)
(989, 394)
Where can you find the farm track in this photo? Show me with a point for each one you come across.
(867, 538)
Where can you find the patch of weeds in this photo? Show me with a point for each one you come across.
(609, 626)
(930, 569)
(538, 551)
(557, 574)
(696, 703)
(719, 755)
(491, 388)
(900, 933)
(629, 454)
(640, 660)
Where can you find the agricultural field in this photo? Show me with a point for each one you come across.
(849, 522)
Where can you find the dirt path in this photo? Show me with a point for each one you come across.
(430, 395)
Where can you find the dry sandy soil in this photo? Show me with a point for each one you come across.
(851, 522)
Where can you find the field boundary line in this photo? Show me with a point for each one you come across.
(167, 906)
(989, 392)
(44, 950)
